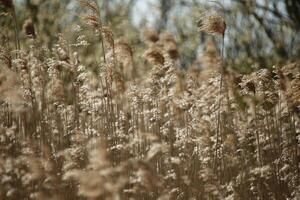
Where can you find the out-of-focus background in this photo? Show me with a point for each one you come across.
(260, 33)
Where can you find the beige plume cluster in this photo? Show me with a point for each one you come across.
(212, 24)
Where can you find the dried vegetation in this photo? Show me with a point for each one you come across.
(127, 132)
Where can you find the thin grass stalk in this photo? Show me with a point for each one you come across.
(257, 139)
(269, 127)
(278, 124)
(219, 105)
(102, 44)
(101, 35)
(294, 141)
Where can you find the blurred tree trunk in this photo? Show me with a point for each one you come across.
(293, 10)
(264, 22)
(165, 7)
(33, 9)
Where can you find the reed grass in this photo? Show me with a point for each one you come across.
(144, 131)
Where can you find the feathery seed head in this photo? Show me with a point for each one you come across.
(212, 24)
(89, 5)
(92, 19)
(108, 36)
(155, 56)
(151, 35)
(123, 47)
(170, 45)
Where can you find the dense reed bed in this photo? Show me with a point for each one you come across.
(141, 127)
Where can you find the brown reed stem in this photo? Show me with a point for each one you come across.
(219, 104)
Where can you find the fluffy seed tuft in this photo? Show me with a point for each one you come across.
(212, 24)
